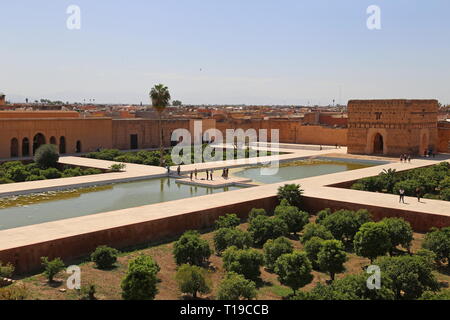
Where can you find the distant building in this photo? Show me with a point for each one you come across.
(392, 127)
(2, 99)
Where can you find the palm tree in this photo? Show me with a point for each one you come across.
(160, 97)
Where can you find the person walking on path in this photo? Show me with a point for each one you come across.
(191, 175)
(402, 195)
(195, 173)
(207, 175)
(401, 158)
(418, 193)
(211, 174)
(409, 158)
(179, 170)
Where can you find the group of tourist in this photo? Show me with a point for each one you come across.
(402, 194)
(429, 153)
(209, 173)
(405, 158)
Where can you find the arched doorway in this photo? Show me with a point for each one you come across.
(53, 140)
(38, 140)
(14, 148)
(62, 145)
(78, 148)
(378, 144)
(25, 147)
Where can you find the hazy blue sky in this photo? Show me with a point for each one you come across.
(228, 51)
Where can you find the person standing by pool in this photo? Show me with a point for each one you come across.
(402, 195)
(207, 175)
(195, 173)
(179, 170)
(211, 174)
(191, 175)
(418, 193)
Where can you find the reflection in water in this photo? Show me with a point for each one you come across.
(299, 170)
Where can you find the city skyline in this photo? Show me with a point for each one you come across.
(254, 53)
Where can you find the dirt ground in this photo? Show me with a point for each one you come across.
(107, 282)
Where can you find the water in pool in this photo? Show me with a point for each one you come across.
(299, 170)
(34, 209)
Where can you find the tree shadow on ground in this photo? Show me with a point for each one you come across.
(262, 283)
(55, 283)
(187, 297)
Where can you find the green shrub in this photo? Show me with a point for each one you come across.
(322, 214)
(400, 232)
(52, 267)
(264, 228)
(312, 230)
(51, 173)
(343, 224)
(104, 257)
(246, 262)
(34, 178)
(236, 287)
(14, 292)
(294, 219)
(438, 241)
(140, 280)
(17, 174)
(294, 270)
(273, 249)
(227, 237)
(256, 212)
(46, 156)
(229, 220)
(191, 249)
(445, 194)
(6, 270)
(312, 248)
(410, 276)
(331, 257)
(193, 280)
(117, 167)
(372, 240)
(292, 193)
(88, 292)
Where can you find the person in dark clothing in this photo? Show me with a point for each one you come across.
(191, 175)
(178, 170)
(418, 194)
(402, 195)
(211, 174)
(195, 173)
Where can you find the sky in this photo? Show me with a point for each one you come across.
(264, 52)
